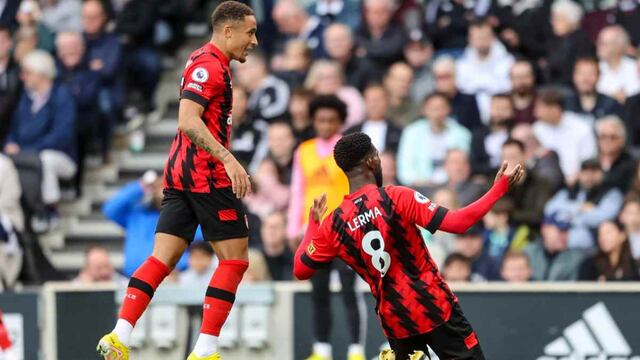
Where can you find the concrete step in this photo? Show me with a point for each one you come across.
(139, 163)
(166, 128)
(88, 229)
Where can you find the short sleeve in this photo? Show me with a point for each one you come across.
(321, 250)
(417, 208)
(202, 80)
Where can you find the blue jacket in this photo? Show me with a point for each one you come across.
(139, 222)
(84, 85)
(52, 128)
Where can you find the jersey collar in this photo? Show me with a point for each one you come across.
(214, 49)
(360, 191)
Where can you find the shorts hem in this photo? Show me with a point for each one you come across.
(226, 237)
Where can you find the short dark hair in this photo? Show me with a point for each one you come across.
(201, 246)
(505, 96)
(351, 150)
(328, 102)
(551, 96)
(436, 94)
(589, 60)
(479, 22)
(302, 92)
(230, 10)
(514, 254)
(514, 142)
(374, 85)
(456, 257)
(5, 29)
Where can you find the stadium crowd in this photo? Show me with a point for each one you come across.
(446, 89)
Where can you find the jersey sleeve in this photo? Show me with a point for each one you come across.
(316, 250)
(202, 80)
(417, 208)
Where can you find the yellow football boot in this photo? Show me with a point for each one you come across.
(387, 354)
(215, 356)
(356, 357)
(317, 357)
(111, 348)
(418, 355)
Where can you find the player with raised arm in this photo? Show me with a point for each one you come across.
(203, 185)
(375, 231)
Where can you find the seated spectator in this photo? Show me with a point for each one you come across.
(98, 268)
(424, 144)
(384, 135)
(448, 22)
(327, 78)
(515, 267)
(627, 15)
(588, 203)
(26, 42)
(136, 208)
(202, 264)
(464, 106)
(135, 23)
(471, 245)
(543, 162)
(618, 165)
(258, 271)
(389, 168)
(30, 16)
(457, 268)
(631, 116)
(457, 168)
(338, 11)
(294, 22)
(397, 80)
(10, 84)
(613, 261)
(550, 256)
(298, 112)
(618, 73)
(585, 100)
(486, 142)
(530, 197)
(269, 194)
(569, 42)
(630, 218)
(379, 38)
(524, 26)
(293, 65)
(442, 243)
(41, 125)
(281, 146)
(563, 133)
(483, 68)
(62, 15)
(419, 55)
(523, 91)
(502, 235)
(245, 136)
(275, 248)
(340, 47)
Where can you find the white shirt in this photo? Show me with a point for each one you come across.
(572, 139)
(626, 78)
(377, 131)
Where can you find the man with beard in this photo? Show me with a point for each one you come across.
(523, 91)
(486, 142)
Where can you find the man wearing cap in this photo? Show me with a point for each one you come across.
(550, 257)
(587, 204)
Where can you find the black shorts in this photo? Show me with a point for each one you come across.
(220, 214)
(453, 340)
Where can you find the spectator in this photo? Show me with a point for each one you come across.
(630, 217)
(8, 14)
(379, 38)
(424, 144)
(613, 261)
(619, 74)
(135, 24)
(340, 47)
(202, 264)
(269, 193)
(384, 135)
(524, 26)
(530, 197)
(502, 234)
(258, 270)
(10, 84)
(585, 100)
(98, 268)
(294, 22)
(523, 91)
(30, 16)
(389, 168)
(136, 208)
(26, 42)
(635, 184)
(62, 15)
(515, 267)
(588, 203)
(631, 116)
(294, 63)
(274, 247)
(615, 160)
(104, 55)
(550, 256)
(245, 136)
(627, 15)
(483, 69)
(338, 11)
(449, 20)
(458, 173)
(442, 243)
(471, 245)
(457, 267)
(464, 106)
(540, 161)
(41, 124)
(397, 81)
(563, 133)
(486, 142)
(569, 43)
(327, 78)
(419, 55)
(299, 113)
(281, 145)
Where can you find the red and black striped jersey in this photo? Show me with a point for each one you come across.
(207, 81)
(375, 232)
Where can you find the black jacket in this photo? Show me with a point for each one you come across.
(605, 105)
(464, 108)
(10, 89)
(621, 173)
(632, 119)
(562, 54)
(392, 137)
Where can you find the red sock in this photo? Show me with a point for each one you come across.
(221, 294)
(5, 342)
(142, 285)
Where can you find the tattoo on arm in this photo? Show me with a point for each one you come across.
(200, 141)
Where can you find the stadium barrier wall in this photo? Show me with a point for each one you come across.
(537, 321)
